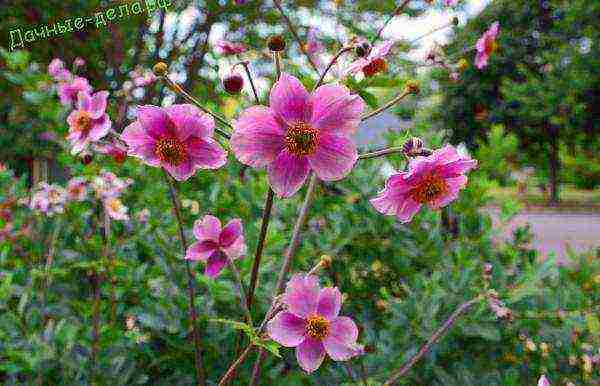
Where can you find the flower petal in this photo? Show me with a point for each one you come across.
(215, 264)
(455, 184)
(258, 137)
(335, 109)
(356, 66)
(287, 329)
(236, 250)
(381, 50)
(231, 232)
(340, 344)
(287, 173)
(329, 303)
(98, 102)
(84, 101)
(310, 354)
(100, 128)
(189, 120)
(134, 136)
(181, 172)
(457, 168)
(289, 100)
(201, 250)
(302, 294)
(155, 121)
(334, 158)
(206, 153)
(207, 228)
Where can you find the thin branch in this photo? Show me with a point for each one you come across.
(110, 257)
(240, 288)
(396, 12)
(386, 106)
(331, 63)
(95, 325)
(247, 69)
(231, 371)
(295, 34)
(380, 153)
(432, 340)
(200, 372)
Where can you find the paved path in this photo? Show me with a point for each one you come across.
(554, 231)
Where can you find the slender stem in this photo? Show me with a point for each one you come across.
(256, 98)
(113, 278)
(432, 340)
(200, 373)
(380, 153)
(95, 325)
(295, 34)
(231, 371)
(396, 12)
(240, 288)
(277, 60)
(266, 218)
(391, 103)
(187, 96)
(434, 30)
(331, 63)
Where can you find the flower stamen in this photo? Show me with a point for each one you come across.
(376, 66)
(171, 150)
(429, 189)
(317, 327)
(301, 139)
(83, 122)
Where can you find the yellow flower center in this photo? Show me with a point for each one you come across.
(171, 150)
(375, 67)
(83, 122)
(317, 327)
(429, 189)
(301, 139)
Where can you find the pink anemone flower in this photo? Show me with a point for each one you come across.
(68, 91)
(374, 62)
(77, 188)
(486, 45)
(434, 180)
(311, 323)
(115, 209)
(90, 122)
(216, 245)
(177, 138)
(225, 47)
(55, 66)
(299, 132)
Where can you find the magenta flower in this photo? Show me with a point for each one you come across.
(177, 138)
(68, 90)
(311, 323)
(299, 132)
(89, 123)
(450, 3)
(216, 245)
(374, 62)
(79, 62)
(55, 67)
(434, 180)
(225, 47)
(77, 189)
(486, 45)
(543, 381)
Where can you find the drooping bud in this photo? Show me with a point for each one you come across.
(233, 83)
(326, 261)
(455, 20)
(86, 159)
(160, 69)
(413, 87)
(362, 49)
(412, 147)
(119, 156)
(463, 64)
(276, 43)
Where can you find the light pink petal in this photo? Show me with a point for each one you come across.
(287, 329)
(398, 204)
(289, 100)
(84, 101)
(146, 153)
(231, 232)
(329, 303)
(72, 119)
(100, 128)
(334, 158)
(356, 66)
(181, 172)
(201, 250)
(336, 110)
(207, 228)
(494, 30)
(287, 174)
(381, 50)
(98, 103)
(134, 135)
(258, 137)
(310, 354)
(206, 153)
(456, 168)
(302, 294)
(155, 121)
(189, 120)
(237, 249)
(215, 264)
(79, 145)
(341, 351)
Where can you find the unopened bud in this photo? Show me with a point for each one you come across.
(86, 159)
(362, 49)
(487, 268)
(276, 43)
(412, 147)
(233, 83)
(326, 261)
(160, 69)
(381, 305)
(119, 156)
(463, 64)
(455, 20)
(413, 87)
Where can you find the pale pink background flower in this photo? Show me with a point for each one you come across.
(299, 132)
(450, 3)
(225, 47)
(374, 62)
(78, 62)
(89, 122)
(543, 381)
(107, 185)
(434, 180)
(217, 245)
(48, 199)
(177, 138)
(55, 66)
(486, 45)
(77, 188)
(115, 209)
(68, 90)
(311, 323)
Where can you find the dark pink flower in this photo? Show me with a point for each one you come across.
(299, 132)
(68, 90)
(434, 180)
(486, 45)
(543, 381)
(450, 3)
(79, 62)
(313, 45)
(311, 323)
(225, 47)
(216, 245)
(89, 122)
(177, 138)
(55, 66)
(374, 62)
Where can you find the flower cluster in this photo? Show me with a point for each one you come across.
(48, 199)
(108, 188)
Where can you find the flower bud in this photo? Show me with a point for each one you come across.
(233, 83)
(326, 261)
(413, 87)
(463, 64)
(412, 147)
(362, 49)
(276, 43)
(160, 69)
(87, 159)
(119, 156)
(455, 20)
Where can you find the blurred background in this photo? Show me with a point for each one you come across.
(531, 209)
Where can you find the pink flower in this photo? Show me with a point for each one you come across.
(312, 324)
(225, 47)
(313, 45)
(107, 185)
(216, 245)
(450, 3)
(434, 180)
(486, 45)
(114, 149)
(89, 123)
(543, 381)
(299, 132)
(373, 63)
(77, 189)
(115, 209)
(55, 66)
(177, 138)
(69, 90)
(79, 62)
(49, 199)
